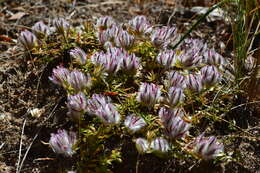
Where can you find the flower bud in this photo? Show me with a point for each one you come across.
(166, 58)
(129, 63)
(140, 25)
(177, 127)
(211, 57)
(134, 123)
(194, 83)
(148, 94)
(124, 39)
(77, 105)
(62, 142)
(61, 25)
(108, 114)
(250, 63)
(111, 64)
(98, 58)
(97, 101)
(210, 75)
(27, 39)
(162, 37)
(110, 61)
(189, 58)
(103, 37)
(197, 46)
(60, 76)
(160, 145)
(142, 145)
(167, 115)
(207, 148)
(105, 22)
(175, 96)
(100, 106)
(176, 79)
(79, 81)
(108, 35)
(40, 28)
(79, 55)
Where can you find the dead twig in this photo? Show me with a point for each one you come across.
(20, 148)
(102, 3)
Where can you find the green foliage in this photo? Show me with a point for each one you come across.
(94, 156)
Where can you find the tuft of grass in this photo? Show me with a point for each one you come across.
(244, 32)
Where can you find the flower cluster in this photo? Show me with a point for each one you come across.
(160, 145)
(175, 96)
(142, 145)
(210, 75)
(176, 79)
(190, 68)
(104, 23)
(29, 40)
(124, 39)
(116, 59)
(60, 76)
(211, 57)
(194, 82)
(191, 54)
(109, 31)
(74, 79)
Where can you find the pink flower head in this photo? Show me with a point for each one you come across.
(162, 37)
(124, 39)
(27, 39)
(140, 25)
(77, 105)
(207, 147)
(79, 55)
(62, 142)
(149, 94)
(160, 145)
(142, 145)
(61, 25)
(134, 123)
(176, 79)
(60, 76)
(175, 96)
(79, 81)
(41, 28)
(194, 83)
(167, 58)
(210, 75)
